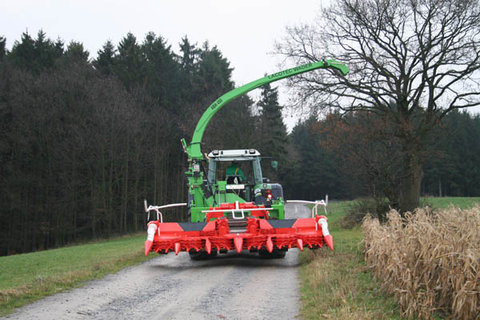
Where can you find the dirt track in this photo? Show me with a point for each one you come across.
(233, 286)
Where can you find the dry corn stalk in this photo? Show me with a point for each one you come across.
(430, 262)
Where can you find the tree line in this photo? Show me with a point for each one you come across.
(354, 155)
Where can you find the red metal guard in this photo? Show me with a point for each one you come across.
(260, 233)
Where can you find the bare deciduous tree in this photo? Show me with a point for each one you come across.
(411, 60)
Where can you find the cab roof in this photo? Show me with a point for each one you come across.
(234, 155)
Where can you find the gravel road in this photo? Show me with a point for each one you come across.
(233, 286)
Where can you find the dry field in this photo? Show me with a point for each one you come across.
(429, 261)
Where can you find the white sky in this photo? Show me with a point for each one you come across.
(244, 31)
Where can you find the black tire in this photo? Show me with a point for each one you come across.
(201, 255)
(275, 254)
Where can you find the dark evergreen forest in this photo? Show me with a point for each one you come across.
(84, 140)
(358, 155)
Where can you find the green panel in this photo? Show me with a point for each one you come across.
(197, 215)
(278, 211)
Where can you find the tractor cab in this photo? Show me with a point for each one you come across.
(233, 174)
(236, 175)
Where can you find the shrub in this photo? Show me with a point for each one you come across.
(375, 207)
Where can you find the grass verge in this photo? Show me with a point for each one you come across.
(25, 278)
(442, 203)
(338, 284)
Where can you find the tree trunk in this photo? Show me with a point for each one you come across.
(439, 187)
(410, 182)
(125, 185)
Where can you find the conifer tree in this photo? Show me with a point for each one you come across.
(272, 130)
(214, 72)
(314, 171)
(36, 54)
(189, 63)
(129, 62)
(47, 52)
(190, 56)
(23, 52)
(75, 53)
(3, 49)
(161, 71)
(105, 58)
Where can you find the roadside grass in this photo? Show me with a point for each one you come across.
(338, 284)
(25, 278)
(458, 202)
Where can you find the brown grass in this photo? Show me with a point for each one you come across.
(430, 262)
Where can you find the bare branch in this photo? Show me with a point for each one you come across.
(421, 55)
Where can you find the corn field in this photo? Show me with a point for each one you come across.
(429, 261)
